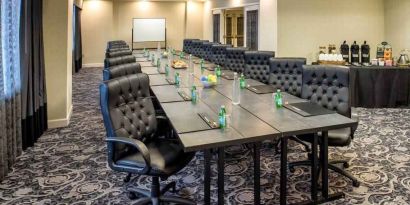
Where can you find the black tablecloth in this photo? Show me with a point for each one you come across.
(380, 87)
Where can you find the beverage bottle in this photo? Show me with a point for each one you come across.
(191, 79)
(194, 96)
(201, 65)
(145, 52)
(158, 64)
(355, 53)
(344, 50)
(166, 70)
(222, 117)
(236, 92)
(191, 64)
(181, 55)
(153, 59)
(278, 99)
(365, 48)
(148, 55)
(218, 71)
(177, 79)
(242, 82)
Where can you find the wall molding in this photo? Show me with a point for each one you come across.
(63, 122)
(93, 65)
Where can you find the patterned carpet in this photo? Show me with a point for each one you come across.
(68, 165)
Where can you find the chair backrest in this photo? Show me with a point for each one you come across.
(187, 46)
(110, 50)
(121, 70)
(118, 53)
(113, 46)
(127, 109)
(328, 86)
(207, 50)
(109, 62)
(219, 54)
(286, 74)
(235, 59)
(257, 65)
(197, 47)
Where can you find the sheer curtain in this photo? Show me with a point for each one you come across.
(10, 96)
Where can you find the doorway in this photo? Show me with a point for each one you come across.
(234, 27)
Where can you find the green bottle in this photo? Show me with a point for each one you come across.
(153, 59)
(158, 64)
(201, 65)
(166, 70)
(278, 99)
(222, 117)
(194, 96)
(218, 71)
(242, 83)
(177, 79)
(181, 55)
(148, 55)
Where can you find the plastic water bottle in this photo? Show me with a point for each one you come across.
(166, 70)
(158, 64)
(159, 49)
(191, 64)
(177, 79)
(278, 99)
(222, 117)
(191, 79)
(236, 93)
(242, 81)
(194, 95)
(153, 59)
(148, 55)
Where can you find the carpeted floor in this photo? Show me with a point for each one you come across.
(68, 165)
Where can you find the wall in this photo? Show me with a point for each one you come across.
(397, 24)
(97, 24)
(305, 25)
(194, 22)
(57, 25)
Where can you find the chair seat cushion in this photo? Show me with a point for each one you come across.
(167, 157)
(336, 138)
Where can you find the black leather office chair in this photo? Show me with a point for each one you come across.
(109, 50)
(218, 55)
(109, 62)
(328, 86)
(187, 46)
(132, 143)
(121, 42)
(207, 50)
(117, 45)
(257, 65)
(121, 70)
(118, 53)
(235, 59)
(197, 47)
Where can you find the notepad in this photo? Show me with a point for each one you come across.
(228, 76)
(184, 95)
(307, 109)
(212, 123)
(262, 89)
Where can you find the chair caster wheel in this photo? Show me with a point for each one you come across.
(356, 183)
(346, 165)
(127, 178)
(131, 195)
(292, 169)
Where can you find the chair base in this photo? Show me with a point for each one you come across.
(154, 196)
(304, 144)
(331, 166)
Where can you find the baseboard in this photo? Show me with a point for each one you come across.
(93, 65)
(63, 122)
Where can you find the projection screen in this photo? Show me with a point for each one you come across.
(148, 30)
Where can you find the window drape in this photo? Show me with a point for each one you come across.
(77, 49)
(216, 27)
(33, 98)
(252, 29)
(10, 95)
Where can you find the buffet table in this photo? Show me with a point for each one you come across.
(380, 87)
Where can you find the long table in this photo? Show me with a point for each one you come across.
(254, 120)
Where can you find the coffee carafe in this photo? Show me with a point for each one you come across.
(344, 50)
(354, 50)
(365, 51)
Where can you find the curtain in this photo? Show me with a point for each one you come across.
(78, 51)
(252, 30)
(216, 21)
(34, 105)
(10, 102)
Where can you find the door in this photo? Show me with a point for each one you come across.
(252, 29)
(234, 27)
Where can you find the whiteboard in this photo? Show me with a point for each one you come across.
(149, 30)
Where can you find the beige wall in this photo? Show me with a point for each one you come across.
(57, 25)
(397, 24)
(194, 22)
(305, 25)
(97, 24)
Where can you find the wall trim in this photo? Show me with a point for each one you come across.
(238, 6)
(63, 122)
(93, 65)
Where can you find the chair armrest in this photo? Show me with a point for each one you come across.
(134, 143)
(161, 117)
(355, 117)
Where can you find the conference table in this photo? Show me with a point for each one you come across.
(255, 120)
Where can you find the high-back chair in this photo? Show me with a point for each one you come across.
(235, 59)
(109, 62)
(257, 65)
(328, 86)
(197, 47)
(218, 55)
(286, 74)
(119, 53)
(133, 144)
(121, 70)
(187, 45)
(207, 50)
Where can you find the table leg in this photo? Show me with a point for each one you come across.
(221, 173)
(207, 177)
(283, 169)
(324, 164)
(256, 173)
(314, 169)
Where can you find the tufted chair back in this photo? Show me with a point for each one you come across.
(257, 65)
(127, 109)
(207, 50)
(286, 74)
(219, 54)
(121, 70)
(187, 46)
(235, 59)
(328, 86)
(109, 62)
(118, 53)
(114, 46)
(197, 47)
